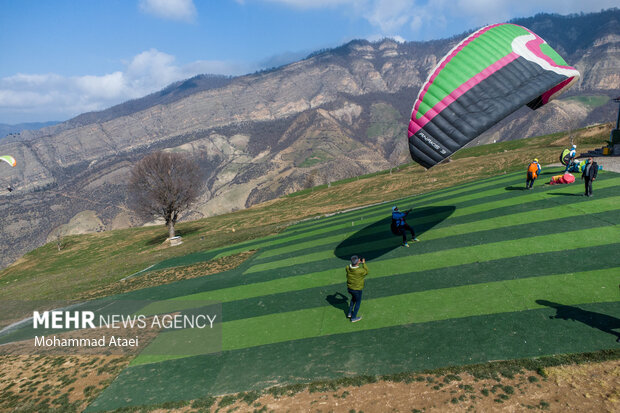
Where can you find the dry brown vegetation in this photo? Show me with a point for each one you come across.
(64, 383)
(577, 391)
(42, 383)
(593, 387)
(170, 275)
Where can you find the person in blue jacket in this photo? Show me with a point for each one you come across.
(401, 225)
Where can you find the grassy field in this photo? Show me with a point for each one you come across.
(500, 274)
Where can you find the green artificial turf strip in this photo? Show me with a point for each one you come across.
(379, 225)
(336, 294)
(551, 242)
(420, 307)
(342, 221)
(381, 209)
(385, 208)
(430, 305)
(293, 233)
(537, 205)
(564, 262)
(503, 200)
(410, 348)
(433, 241)
(423, 262)
(460, 212)
(527, 217)
(307, 295)
(473, 187)
(232, 278)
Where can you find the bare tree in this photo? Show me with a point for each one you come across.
(164, 185)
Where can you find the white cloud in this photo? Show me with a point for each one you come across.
(42, 97)
(475, 13)
(430, 19)
(435, 16)
(180, 10)
(103, 87)
(388, 15)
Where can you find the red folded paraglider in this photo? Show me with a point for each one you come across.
(562, 179)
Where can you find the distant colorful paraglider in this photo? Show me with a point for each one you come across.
(9, 159)
(485, 78)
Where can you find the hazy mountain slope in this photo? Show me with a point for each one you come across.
(16, 128)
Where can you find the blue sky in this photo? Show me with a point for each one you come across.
(60, 58)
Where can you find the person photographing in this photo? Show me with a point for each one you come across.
(356, 274)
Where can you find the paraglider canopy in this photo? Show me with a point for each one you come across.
(485, 78)
(9, 159)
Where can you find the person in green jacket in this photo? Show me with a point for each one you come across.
(356, 272)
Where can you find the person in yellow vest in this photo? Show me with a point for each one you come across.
(532, 173)
(356, 272)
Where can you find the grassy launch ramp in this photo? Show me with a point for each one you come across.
(500, 273)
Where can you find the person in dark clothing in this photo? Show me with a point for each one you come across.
(356, 274)
(589, 174)
(401, 225)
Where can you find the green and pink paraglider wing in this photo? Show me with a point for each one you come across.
(486, 77)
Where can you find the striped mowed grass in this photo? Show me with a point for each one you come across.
(500, 273)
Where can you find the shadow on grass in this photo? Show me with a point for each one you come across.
(603, 322)
(563, 194)
(339, 301)
(376, 239)
(515, 188)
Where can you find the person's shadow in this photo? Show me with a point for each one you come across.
(340, 301)
(603, 322)
(377, 239)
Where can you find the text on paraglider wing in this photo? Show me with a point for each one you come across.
(432, 143)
